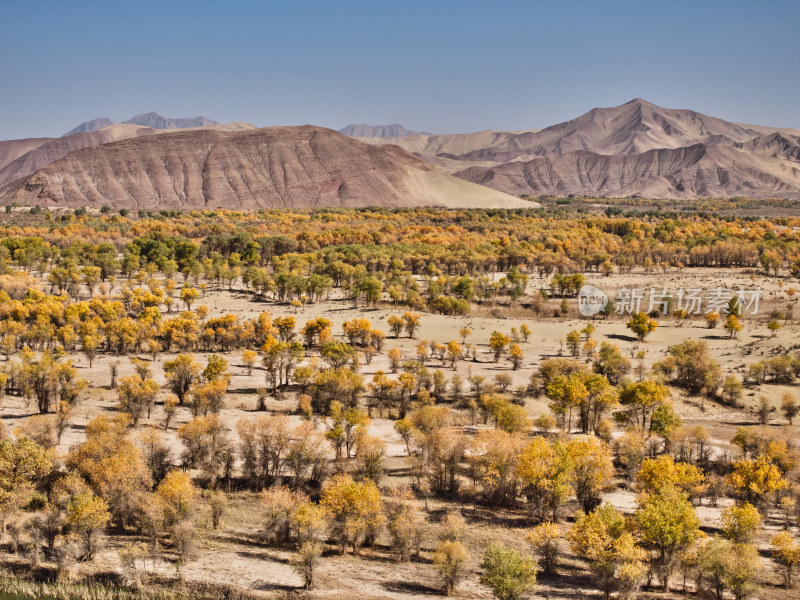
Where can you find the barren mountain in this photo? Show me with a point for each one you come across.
(19, 158)
(632, 128)
(693, 171)
(441, 150)
(377, 131)
(156, 121)
(280, 167)
(52, 149)
(93, 125)
(776, 145)
(11, 150)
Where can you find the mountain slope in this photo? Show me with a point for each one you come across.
(11, 150)
(277, 167)
(776, 145)
(87, 126)
(41, 152)
(632, 128)
(53, 149)
(693, 171)
(377, 131)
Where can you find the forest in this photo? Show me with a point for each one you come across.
(397, 404)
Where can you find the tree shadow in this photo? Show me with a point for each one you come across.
(622, 337)
(411, 587)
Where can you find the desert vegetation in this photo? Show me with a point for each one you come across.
(396, 403)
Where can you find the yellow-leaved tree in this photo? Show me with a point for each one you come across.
(113, 464)
(355, 509)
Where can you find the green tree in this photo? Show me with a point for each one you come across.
(741, 523)
(509, 574)
(669, 525)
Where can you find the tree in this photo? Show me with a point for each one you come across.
(732, 389)
(50, 380)
(789, 406)
(773, 327)
(741, 523)
(405, 430)
(544, 471)
(355, 509)
(396, 325)
(515, 354)
(23, 466)
(566, 392)
(87, 516)
(498, 343)
(669, 525)
(182, 372)
(306, 562)
(642, 398)
(451, 560)
(786, 551)
(509, 574)
(545, 539)
(642, 325)
(249, 358)
(592, 469)
(280, 503)
(188, 296)
(574, 342)
(691, 366)
(753, 479)
(729, 565)
(216, 367)
(611, 363)
(137, 396)
(90, 342)
(453, 353)
(732, 326)
(404, 521)
(177, 492)
(657, 474)
(113, 464)
(604, 538)
(410, 322)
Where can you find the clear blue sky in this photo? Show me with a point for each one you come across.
(440, 66)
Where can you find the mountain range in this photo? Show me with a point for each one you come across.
(635, 149)
(377, 131)
(151, 119)
(273, 167)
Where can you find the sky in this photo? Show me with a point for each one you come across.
(434, 65)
